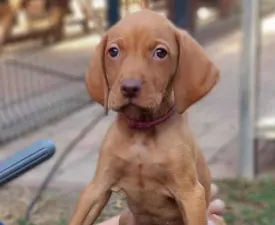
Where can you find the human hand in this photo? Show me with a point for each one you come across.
(216, 208)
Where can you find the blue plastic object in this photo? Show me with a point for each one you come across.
(25, 160)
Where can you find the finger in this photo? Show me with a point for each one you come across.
(216, 207)
(216, 220)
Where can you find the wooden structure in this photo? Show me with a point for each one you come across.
(50, 13)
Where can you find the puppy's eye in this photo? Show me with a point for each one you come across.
(160, 53)
(113, 52)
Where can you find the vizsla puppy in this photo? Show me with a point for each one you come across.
(149, 72)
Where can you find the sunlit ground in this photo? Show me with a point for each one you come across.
(266, 125)
(268, 25)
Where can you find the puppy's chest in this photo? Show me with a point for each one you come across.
(144, 165)
(140, 156)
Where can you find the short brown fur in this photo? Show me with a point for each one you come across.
(161, 169)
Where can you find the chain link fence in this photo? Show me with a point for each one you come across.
(33, 93)
(40, 84)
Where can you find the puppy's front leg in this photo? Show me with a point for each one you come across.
(91, 202)
(96, 194)
(190, 196)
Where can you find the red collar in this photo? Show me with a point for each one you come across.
(137, 124)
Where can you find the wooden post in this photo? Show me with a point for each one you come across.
(7, 18)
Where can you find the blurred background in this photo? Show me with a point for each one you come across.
(45, 49)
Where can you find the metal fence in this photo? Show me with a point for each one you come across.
(33, 93)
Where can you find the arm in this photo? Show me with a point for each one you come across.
(192, 205)
(96, 194)
(188, 192)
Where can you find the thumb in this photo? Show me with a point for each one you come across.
(215, 220)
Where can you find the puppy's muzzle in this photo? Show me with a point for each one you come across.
(130, 88)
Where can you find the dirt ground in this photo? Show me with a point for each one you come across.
(55, 206)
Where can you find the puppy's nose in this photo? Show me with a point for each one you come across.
(130, 87)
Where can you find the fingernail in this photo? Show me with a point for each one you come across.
(218, 203)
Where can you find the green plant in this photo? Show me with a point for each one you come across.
(24, 222)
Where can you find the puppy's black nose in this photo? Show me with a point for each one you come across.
(130, 87)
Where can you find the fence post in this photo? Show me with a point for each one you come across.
(113, 11)
(249, 73)
(182, 13)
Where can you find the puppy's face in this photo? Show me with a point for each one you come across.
(140, 62)
(144, 58)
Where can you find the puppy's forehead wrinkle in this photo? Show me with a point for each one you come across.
(144, 24)
(139, 32)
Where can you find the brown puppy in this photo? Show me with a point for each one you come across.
(142, 68)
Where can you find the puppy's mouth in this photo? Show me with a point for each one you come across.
(132, 107)
(135, 111)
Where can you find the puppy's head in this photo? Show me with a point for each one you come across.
(142, 60)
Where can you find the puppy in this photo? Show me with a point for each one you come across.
(150, 73)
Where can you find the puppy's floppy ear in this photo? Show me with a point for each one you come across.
(195, 75)
(96, 78)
